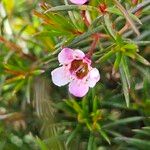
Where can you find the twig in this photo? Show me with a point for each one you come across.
(125, 28)
(127, 16)
(93, 45)
(83, 14)
(140, 6)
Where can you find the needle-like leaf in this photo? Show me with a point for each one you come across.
(127, 16)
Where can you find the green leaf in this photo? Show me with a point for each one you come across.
(124, 85)
(126, 70)
(73, 134)
(108, 25)
(85, 107)
(106, 56)
(56, 24)
(37, 72)
(117, 62)
(12, 67)
(146, 128)
(18, 86)
(131, 46)
(74, 104)
(62, 22)
(114, 10)
(53, 32)
(94, 3)
(84, 36)
(95, 22)
(134, 17)
(104, 135)
(28, 89)
(119, 40)
(65, 107)
(123, 121)
(95, 104)
(127, 16)
(141, 132)
(90, 142)
(71, 7)
(142, 60)
(141, 144)
(130, 50)
(142, 43)
(130, 54)
(117, 12)
(14, 79)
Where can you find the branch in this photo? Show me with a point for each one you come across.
(140, 6)
(127, 16)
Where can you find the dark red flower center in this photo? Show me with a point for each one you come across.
(80, 68)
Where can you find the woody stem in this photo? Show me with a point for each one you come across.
(84, 17)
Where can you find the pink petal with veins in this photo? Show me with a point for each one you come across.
(60, 76)
(78, 88)
(94, 77)
(78, 54)
(65, 56)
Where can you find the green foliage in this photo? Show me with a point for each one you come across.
(35, 114)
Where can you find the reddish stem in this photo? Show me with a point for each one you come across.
(93, 46)
(83, 14)
(96, 38)
(127, 26)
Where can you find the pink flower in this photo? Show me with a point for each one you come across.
(78, 2)
(76, 70)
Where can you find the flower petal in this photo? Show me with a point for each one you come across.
(65, 56)
(78, 89)
(78, 54)
(60, 76)
(78, 2)
(94, 77)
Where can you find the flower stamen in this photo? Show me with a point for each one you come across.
(79, 68)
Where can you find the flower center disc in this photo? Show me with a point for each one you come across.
(79, 68)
